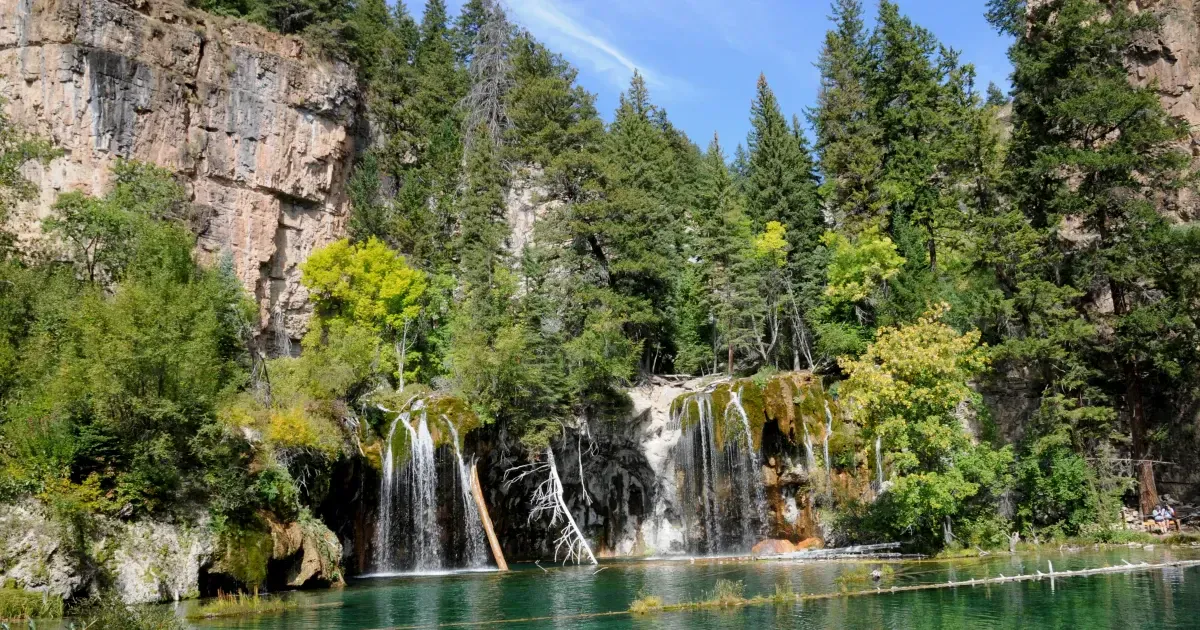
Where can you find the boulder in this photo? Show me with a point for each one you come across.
(810, 543)
(773, 547)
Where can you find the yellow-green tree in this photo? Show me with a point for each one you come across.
(368, 285)
(909, 391)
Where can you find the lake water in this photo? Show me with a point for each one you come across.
(563, 597)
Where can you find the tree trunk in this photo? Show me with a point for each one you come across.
(477, 492)
(1147, 489)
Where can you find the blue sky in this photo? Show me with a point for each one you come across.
(701, 58)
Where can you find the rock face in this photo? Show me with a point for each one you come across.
(148, 561)
(258, 127)
(144, 562)
(1170, 60)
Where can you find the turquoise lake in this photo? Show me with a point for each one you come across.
(564, 597)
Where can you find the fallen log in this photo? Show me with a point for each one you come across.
(493, 542)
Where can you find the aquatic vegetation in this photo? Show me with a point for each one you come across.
(865, 575)
(242, 604)
(18, 603)
(727, 593)
(646, 604)
(108, 612)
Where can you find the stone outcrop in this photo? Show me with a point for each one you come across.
(144, 562)
(257, 126)
(150, 561)
(310, 552)
(1169, 60)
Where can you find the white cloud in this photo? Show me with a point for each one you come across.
(562, 32)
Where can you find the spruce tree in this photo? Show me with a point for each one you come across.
(723, 255)
(781, 187)
(1090, 154)
(847, 142)
(636, 222)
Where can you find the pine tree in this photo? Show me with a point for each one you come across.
(722, 237)
(922, 102)
(636, 222)
(470, 21)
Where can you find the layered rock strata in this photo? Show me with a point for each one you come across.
(257, 126)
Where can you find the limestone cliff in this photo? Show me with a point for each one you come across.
(258, 126)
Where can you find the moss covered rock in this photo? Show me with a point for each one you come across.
(793, 400)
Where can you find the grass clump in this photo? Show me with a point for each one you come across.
(727, 593)
(1182, 539)
(646, 604)
(18, 603)
(784, 593)
(242, 604)
(863, 575)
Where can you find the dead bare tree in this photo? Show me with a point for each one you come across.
(548, 499)
(486, 116)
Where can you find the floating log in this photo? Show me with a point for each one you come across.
(493, 542)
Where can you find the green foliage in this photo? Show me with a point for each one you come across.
(108, 611)
(858, 268)
(124, 376)
(19, 604)
(907, 389)
(242, 605)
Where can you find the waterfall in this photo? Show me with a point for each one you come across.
(825, 446)
(409, 496)
(422, 508)
(476, 551)
(751, 481)
(387, 498)
(720, 490)
(810, 461)
(700, 490)
(879, 460)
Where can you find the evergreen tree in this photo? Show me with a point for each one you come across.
(634, 226)
(723, 255)
(781, 187)
(1090, 152)
(847, 138)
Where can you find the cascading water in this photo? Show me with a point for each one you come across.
(825, 446)
(879, 459)
(409, 535)
(721, 490)
(422, 507)
(751, 482)
(476, 551)
(810, 461)
(387, 499)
